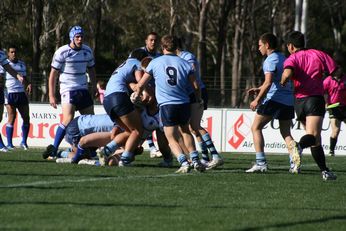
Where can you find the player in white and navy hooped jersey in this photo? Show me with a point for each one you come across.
(172, 75)
(71, 62)
(16, 98)
(6, 67)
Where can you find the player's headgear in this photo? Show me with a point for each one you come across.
(75, 30)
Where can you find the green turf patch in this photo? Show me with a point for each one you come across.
(36, 194)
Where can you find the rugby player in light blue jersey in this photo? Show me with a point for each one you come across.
(16, 98)
(151, 49)
(82, 126)
(172, 75)
(202, 135)
(272, 100)
(71, 62)
(119, 107)
(5, 66)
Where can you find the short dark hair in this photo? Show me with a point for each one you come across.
(270, 39)
(296, 38)
(152, 33)
(138, 54)
(169, 42)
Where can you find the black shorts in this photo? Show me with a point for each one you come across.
(118, 104)
(175, 114)
(310, 106)
(205, 98)
(276, 110)
(337, 113)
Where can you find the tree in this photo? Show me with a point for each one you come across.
(223, 12)
(335, 10)
(202, 45)
(237, 50)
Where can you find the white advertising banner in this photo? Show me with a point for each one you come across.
(238, 136)
(230, 130)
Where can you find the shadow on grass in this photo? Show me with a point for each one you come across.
(77, 175)
(192, 207)
(27, 161)
(54, 203)
(291, 224)
(38, 187)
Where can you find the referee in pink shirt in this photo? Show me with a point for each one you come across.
(306, 68)
(335, 95)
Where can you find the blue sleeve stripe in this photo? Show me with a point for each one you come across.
(81, 61)
(73, 73)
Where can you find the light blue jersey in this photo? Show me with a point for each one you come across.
(3, 58)
(191, 58)
(274, 64)
(12, 83)
(72, 65)
(88, 124)
(122, 76)
(171, 74)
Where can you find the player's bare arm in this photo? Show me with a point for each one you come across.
(286, 75)
(51, 86)
(92, 76)
(263, 89)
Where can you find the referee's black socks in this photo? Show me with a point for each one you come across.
(318, 155)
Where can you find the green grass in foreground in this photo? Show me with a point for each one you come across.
(40, 195)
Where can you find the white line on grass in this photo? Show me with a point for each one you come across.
(37, 183)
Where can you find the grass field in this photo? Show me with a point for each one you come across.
(41, 195)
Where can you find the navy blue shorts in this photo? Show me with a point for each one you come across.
(17, 99)
(175, 114)
(73, 135)
(81, 98)
(276, 110)
(2, 97)
(310, 106)
(118, 104)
